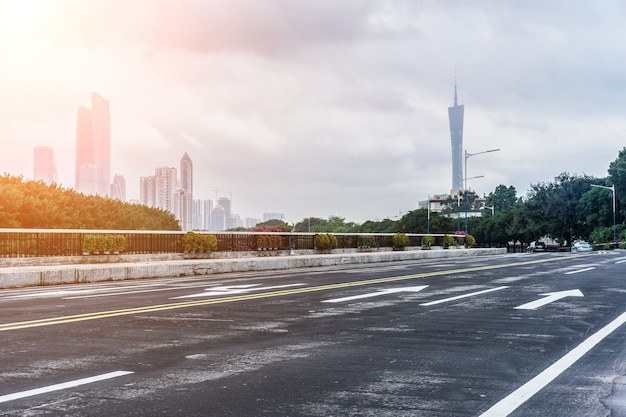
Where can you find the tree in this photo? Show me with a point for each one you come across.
(617, 177)
(553, 207)
(502, 198)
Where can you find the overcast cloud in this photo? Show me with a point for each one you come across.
(320, 107)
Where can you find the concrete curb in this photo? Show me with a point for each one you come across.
(28, 276)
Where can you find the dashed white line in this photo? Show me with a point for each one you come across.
(458, 297)
(62, 386)
(580, 270)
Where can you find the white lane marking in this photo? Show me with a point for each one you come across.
(377, 294)
(64, 385)
(549, 297)
(458, 297)
(621, 262)
(235, 289)
(514, 400)
(580, 270)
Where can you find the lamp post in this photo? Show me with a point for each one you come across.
(612, 188)
(465, 197)
(428, 218)
(467, 156)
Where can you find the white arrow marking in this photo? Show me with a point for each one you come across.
(65, 385)
(549, 297)
(235, 289)
(377, 294)
(458, 297)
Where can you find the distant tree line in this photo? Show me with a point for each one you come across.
(37, 205)
(566, 209)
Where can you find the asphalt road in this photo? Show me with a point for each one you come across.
(520, 335)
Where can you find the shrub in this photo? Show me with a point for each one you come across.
(189, 242)
(195, 242)
(470, 241)
(400, 240)
(365, 241)
(448, 241)
(208, 243)
(428, 240)
(325, 241)
(268, 242)
(90, 243)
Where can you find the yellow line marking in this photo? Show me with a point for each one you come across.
(172, 306)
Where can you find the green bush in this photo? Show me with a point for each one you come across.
(365, 241)
(325, 241)
(208, 243)
(469, 241)
(428, 240)
(268, 242)
(400, 241)
(448, 241)
(90, 243)
(195, 242)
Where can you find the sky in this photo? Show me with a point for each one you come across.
(318, 108)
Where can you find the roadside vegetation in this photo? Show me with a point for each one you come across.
(565, 209)
(36, 205)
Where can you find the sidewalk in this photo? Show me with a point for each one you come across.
(27, 276)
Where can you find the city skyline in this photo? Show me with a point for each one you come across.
(317, 108)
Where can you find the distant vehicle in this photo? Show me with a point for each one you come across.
(582, 247)
(536, 247)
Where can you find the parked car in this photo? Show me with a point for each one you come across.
(582, 247)
(536, 247)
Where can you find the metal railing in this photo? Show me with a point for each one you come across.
(17, 243)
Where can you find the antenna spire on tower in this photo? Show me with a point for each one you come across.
(455, 96)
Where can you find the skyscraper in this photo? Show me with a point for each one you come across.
(455, 115)
(185, 203)
(118, 187)
(93, 148)
(44, 165)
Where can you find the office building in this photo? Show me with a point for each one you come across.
(185, 202)
(44, 165)
(118, 188)
(93, 148)
(455, 116)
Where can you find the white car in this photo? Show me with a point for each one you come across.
(582, 247)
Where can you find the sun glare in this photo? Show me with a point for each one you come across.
(21, 17)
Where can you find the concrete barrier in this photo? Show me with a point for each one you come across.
(26, 276)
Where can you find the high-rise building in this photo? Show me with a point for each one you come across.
(455, 116)
(185, 208)
(165, 188)
(118, 187)
(186, 173)
(44, 165)
(93, 148)
(147, 191)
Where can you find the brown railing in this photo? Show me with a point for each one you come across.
(16, 243)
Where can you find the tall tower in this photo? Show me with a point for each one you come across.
(93, 148)
(455, 115)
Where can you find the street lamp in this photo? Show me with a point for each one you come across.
(467, 156)
(465, 199)
(612, 188)
(428, 221)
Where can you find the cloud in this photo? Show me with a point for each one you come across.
(314, 108)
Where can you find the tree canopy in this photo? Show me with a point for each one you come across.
(34, 204)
